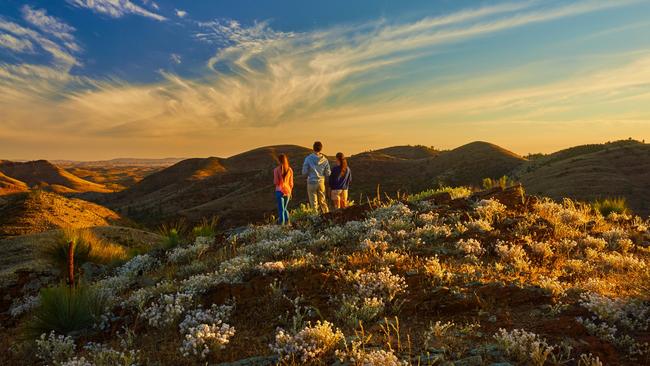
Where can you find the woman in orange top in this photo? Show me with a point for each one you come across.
(283, 179)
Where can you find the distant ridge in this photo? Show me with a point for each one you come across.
(45, 175)
(119, 162)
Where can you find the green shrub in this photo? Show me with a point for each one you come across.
(66, 310)
(303, 212)
(608, 205)
(207, 227)
(503, 182)
(455, 192)
(172, 235)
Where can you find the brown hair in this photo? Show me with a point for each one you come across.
(318, 146)
(343, 162)
(283, 160)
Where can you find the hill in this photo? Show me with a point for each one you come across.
(45, 175)
(10, 185)
(465, 165)
(23, 253)
(38, 211)
(409, 152)
(493, 278)
(590, 172)
(239, 189)
(118, 162)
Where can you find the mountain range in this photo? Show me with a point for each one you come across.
(239, 188)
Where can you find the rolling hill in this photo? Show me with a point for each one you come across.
(11, 185)
(44, 175)
(590, 172)
(39, 211)
(239, 189)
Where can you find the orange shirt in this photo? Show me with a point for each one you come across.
(283, 184)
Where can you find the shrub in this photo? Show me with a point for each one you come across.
(303, 213)
(66, 310)
(382, 284)
(607, 206)
(207, 228)
(354, 310)
(470, 247)
(454, 192)
(205, 330)
(502, 182)
(87, 247)
(311, 344)
(167, 309)
(53, 348)
(525, 347)
(172, 234)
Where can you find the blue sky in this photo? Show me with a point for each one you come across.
(84, 79)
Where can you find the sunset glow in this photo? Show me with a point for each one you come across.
(91, 79)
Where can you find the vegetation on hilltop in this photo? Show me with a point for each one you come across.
(494, 276)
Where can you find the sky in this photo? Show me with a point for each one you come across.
(100, 79)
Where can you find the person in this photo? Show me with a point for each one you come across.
(316, 167)
(283, 179)
(339, 182)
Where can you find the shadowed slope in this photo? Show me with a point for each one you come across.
(465, 165)
(620, 169)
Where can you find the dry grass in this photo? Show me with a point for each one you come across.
(421, 279)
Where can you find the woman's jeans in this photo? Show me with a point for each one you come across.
(283, 212)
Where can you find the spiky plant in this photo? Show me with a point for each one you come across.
(66, 310)
(611, 205)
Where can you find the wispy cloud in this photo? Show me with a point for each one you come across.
(50, 25)
(260, 78)
(55, 37)
(180, 13)
(176, 58)
(15, 44)
(117, 8)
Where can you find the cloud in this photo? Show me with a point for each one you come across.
(260, 79)
(50, 25)
(180, 13)
(54, 39)
(176, 58)
(116, 8)
(15, 44)
(152, 4)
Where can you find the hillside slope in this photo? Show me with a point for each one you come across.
(10, 185)
(45, 175)
(38, 211)
(465, 165)
(620, 169)
(239, 189)
(496, 278)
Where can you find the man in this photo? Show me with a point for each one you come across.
(316, 168)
